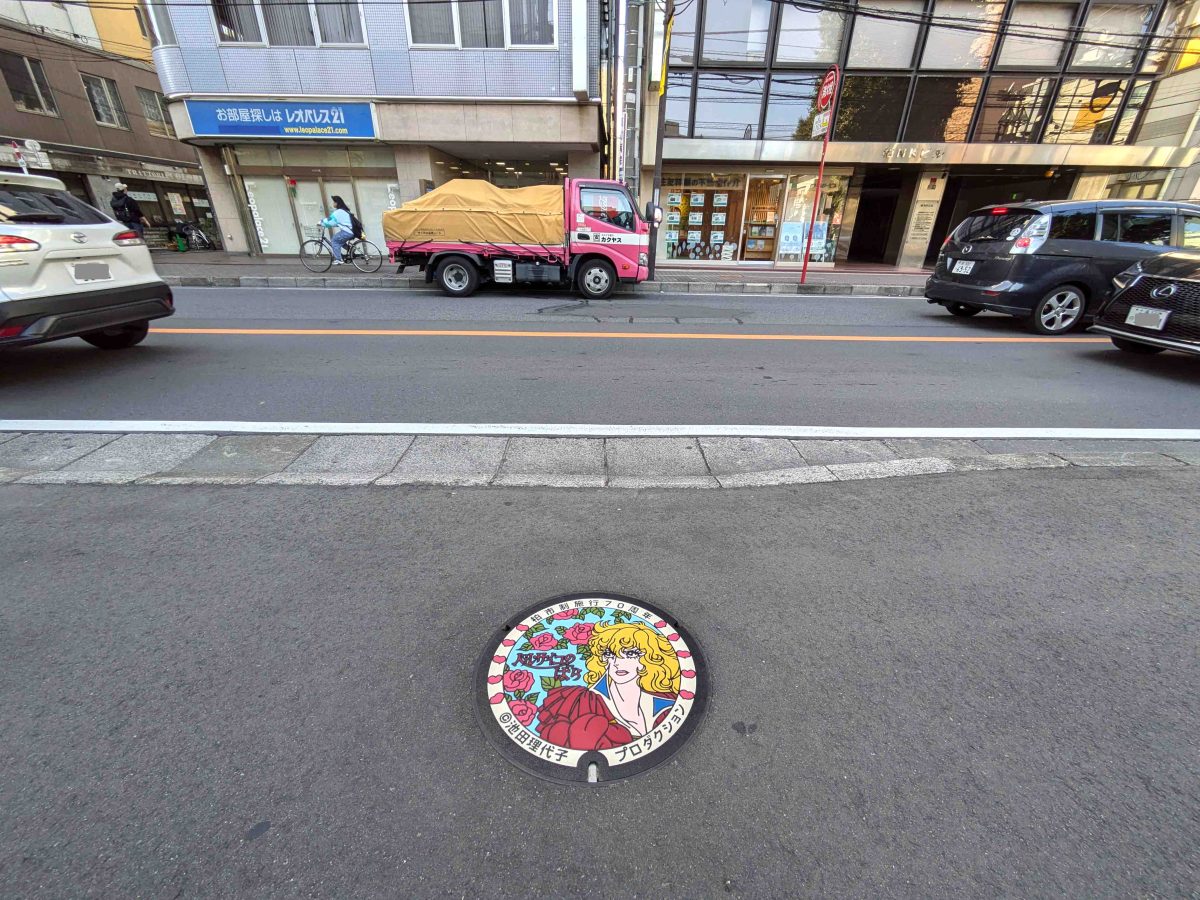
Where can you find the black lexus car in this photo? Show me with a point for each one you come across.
(1156, 306)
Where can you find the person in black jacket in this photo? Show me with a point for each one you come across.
(127, 211)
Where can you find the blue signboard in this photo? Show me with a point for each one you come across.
(278, 119)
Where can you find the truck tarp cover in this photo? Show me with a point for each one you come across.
(470, 211)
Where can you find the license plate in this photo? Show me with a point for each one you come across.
(1147, 317)
(963, 266)
(85, 273)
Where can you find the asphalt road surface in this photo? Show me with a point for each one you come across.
(967, 685)
(831, 361)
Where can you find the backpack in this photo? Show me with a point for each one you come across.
(120, 206)
(356, 227)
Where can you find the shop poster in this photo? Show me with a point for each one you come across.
(673, 217)
(697, 200)
(720, 199)
(695, 237)
(718, 218)
(674, 199)
(696, 218)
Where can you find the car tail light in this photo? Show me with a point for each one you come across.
(1033, 236)
(13, 243)
(999, 210)
(11, 331)
(128, 239)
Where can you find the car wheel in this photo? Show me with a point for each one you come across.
(962, 310)
(457, 277)
(597, 279)
(120, 337)
(1136, 347)
(1060, 311)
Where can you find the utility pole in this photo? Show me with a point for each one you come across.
(656, 192)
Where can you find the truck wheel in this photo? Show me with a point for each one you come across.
(120, 337)
(457, 277)
(597, 279)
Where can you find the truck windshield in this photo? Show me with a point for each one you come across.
(996, 224)
(609, 205)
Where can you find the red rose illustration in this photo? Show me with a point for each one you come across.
(518, 680)
(580, 634)
(525, 711)
(566, 614)
(575, 718)
(543, 641)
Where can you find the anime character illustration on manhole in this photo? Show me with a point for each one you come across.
(593, 674)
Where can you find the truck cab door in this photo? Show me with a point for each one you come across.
(607, 223)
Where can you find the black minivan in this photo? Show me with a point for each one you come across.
(1053, 263)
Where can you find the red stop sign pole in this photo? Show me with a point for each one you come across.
(826, 97)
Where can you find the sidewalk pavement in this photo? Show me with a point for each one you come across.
(575, 462)
(214, 269)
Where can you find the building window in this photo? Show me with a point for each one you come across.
(155, 112)
(886, 43)
(683, 35)
(955, 48)
(679, 103)
(808, 35)
(736, 30)
(481, 23)
(105, 100)
(162, 32)
(1013, 109)
(1084, 110)
(339, 22)
(727, 105)
(27, 83)
(1107, 41)
(791, 107)
(1124, 132)
(870, 107)
(288, 23)
(942, 109)
(237, 22)
(1034, 37)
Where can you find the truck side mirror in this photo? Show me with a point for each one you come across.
(654, 214)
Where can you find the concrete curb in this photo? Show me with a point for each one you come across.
(647, 288)
(166, 459)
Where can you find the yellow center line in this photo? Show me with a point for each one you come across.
(629, 335)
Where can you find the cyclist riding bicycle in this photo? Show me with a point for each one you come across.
(341, 220)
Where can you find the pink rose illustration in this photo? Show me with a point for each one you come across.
(686, 695)
(522, 627)
(566, 614)
(543, 641)
(580, 634)
(496, 698)
(525, 711)
(688, 673)
(683, 654)
(518, 680)
(494, 679)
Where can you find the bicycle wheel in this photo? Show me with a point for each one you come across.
(366, 257)
(316, 256)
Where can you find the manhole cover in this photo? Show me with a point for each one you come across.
(590, 687)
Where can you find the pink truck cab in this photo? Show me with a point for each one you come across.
(604, 240)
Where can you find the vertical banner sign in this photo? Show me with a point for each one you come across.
(826, 103)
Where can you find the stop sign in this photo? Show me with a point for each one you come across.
(828, 87)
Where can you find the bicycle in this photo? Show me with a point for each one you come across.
(317, 255)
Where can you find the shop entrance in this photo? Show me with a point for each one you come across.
(883, 204)
(761, 228)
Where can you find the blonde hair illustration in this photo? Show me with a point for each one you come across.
(660, 665)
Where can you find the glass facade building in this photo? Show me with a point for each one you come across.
(944, 105)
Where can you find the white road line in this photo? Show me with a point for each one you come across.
(552, 430)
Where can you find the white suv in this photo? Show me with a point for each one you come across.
(68, 270)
